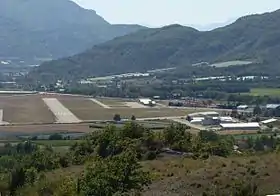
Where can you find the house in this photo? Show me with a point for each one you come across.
(240, 126)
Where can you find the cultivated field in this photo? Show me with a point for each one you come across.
(231, 63)
(265, 91)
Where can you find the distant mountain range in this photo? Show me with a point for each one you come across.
(32, 29)
(254, 37)
(212, 26)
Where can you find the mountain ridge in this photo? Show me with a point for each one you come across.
(52, 28)
(251, 37)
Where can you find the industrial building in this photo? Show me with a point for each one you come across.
(209, 120)
(240, 126)
(269, 121)
(203, 114)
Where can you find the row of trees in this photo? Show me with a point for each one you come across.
(113, 157)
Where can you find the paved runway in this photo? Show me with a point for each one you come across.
(62, 114)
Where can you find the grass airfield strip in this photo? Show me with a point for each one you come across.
(25, 109)
(85, 109)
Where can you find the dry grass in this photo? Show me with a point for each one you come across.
(85, 109)
(107, 114)
(113, 102)
(25, 109)
(179, 176)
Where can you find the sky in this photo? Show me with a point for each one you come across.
(155, 13)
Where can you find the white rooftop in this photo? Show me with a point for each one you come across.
(269, 121)
(240, 125)
(272, 106)
(196, 120)
(242, 107)
(204, 113)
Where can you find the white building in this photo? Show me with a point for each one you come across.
(201, 114)
(240, 126)
(269, 121)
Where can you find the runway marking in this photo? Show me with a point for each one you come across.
(101, 104)
(1, 118)
(62, 114)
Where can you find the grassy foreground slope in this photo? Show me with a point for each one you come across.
(252, 37)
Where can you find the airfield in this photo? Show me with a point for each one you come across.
(58, 112)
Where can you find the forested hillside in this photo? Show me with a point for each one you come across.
(51, 28)
(255, 37)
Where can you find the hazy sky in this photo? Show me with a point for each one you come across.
(164, 12)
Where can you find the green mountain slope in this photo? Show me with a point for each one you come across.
(52, 29)
(252, 37)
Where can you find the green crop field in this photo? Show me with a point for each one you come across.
(254, 136)
(56, 143)
(265, 91)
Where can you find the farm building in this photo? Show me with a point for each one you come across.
(147, 102)
(240, 126)
(209, 120)
(197, 120)
(269, 121)
(202, 114)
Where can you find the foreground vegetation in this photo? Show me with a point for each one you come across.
(134, 160)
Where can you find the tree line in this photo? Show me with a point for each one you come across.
(111, 159)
